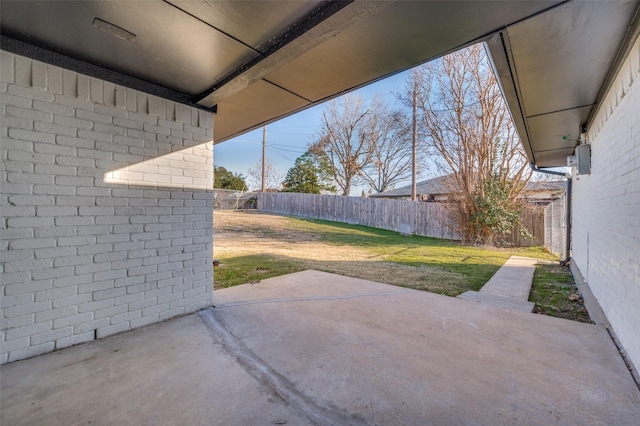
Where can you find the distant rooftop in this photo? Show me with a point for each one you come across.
(441, 185)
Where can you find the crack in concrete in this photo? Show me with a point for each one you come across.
(278, 384)
(306, 299)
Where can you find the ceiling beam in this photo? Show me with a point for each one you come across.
(501, 58)
(328, 20)
(63, 61)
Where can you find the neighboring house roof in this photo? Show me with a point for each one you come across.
(434, 186)
(441, 185)
(544, 186)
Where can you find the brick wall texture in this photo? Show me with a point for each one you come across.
(606, 208)
(106, 208)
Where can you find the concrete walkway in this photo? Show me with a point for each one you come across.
(509, 287)
(313, 348)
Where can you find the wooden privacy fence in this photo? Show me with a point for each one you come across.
(532, 218)
(226, 199)
(404, 216)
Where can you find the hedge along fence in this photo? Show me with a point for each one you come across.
(404, 216)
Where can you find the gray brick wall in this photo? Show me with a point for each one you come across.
(106, 198)
(606, 208)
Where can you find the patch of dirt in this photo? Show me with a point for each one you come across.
(242, 233)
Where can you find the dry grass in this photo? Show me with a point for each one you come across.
(254, 246)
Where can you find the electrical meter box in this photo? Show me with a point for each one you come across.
(581, 160)
(583, 157)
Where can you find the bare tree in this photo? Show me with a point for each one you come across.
(392, 154)
(349, 137)
(273, 178)
(465, 119)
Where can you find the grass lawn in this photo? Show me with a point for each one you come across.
(555, 293)
(253, 268)
(254, 246)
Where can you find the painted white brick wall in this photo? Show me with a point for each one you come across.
(606, 208)
(106, 198)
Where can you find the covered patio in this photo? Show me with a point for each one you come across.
(315, 348)
(109, 111)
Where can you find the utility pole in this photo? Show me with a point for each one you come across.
(264, 157)
(414, 140)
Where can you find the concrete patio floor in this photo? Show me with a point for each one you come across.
(316, 348)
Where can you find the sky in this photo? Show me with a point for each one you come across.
(288, 138)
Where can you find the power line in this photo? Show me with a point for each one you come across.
(295, 151)
(286, 146)
(283, 156)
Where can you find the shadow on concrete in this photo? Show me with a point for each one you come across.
(317, 348)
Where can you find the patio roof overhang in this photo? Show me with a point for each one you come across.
(256, 62)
